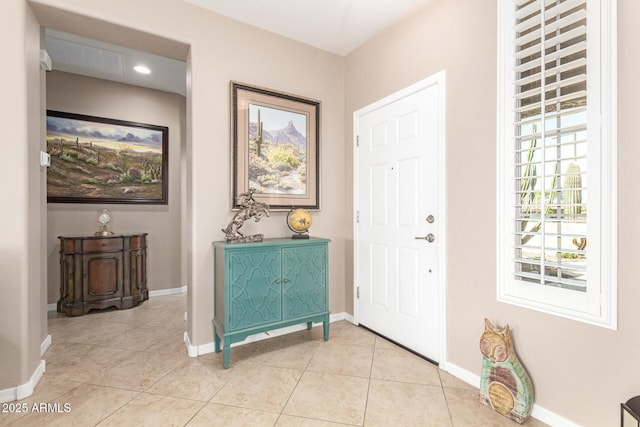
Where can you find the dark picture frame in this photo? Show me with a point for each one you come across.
(103, 160)
(275, 147)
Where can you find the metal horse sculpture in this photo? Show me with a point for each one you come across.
(249, 208)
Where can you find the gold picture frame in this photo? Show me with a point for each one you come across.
(275, 147)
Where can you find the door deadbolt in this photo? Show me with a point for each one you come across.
(430, 219)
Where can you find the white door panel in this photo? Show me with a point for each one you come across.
(397, 187)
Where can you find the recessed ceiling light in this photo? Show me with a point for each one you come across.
(142, 69)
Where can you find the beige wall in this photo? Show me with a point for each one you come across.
(83, 95)
(580, 372)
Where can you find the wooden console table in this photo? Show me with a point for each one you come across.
(98, 272)
(269, 285)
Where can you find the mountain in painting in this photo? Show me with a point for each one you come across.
(288, 134)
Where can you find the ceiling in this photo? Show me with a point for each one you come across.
(337, 26)
(79, 55)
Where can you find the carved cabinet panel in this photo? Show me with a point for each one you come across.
(255, 288)
(98, 272)
(269, 285)
(305, 283)
(101, 276)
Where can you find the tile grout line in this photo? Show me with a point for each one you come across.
(446, 401)
(304, 371)
(366, 402)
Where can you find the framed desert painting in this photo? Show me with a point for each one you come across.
(275, 147)
(101, 160)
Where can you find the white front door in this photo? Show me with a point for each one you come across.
(399, 221)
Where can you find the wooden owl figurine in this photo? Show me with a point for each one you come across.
(505, 385)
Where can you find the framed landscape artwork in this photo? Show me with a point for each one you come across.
(100, 160)
(276, 143)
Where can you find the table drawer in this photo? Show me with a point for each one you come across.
(91, 245)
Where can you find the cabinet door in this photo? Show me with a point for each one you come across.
(254, 286)
(304, 273)
(138, 273)
(138, 264)
(103, 276)
(66, 278)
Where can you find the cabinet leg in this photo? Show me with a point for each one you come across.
(226, 353)
(216, 342)
(325, 329)
(309, 325)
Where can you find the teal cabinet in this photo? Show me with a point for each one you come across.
(268, 285)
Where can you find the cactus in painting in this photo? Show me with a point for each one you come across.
(259, 136)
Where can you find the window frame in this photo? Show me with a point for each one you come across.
(598, 305)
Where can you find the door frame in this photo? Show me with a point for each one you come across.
(438, 80)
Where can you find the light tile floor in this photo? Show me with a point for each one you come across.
(130, 368)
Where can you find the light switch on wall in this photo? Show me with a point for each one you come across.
(45, 159)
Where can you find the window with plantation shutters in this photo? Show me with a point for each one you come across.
(556, 154)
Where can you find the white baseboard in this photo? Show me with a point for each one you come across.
(152, 294)
(192, 350)
(348, 317)
(170, 291)
(23, 390)
(551, 418)
(462, 374)
(199, 350)
(44, 346)
(538, 412)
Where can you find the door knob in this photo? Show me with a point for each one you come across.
(430, 219)
(429, 238)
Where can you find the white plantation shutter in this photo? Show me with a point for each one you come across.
(550, 144)
(553, 174)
